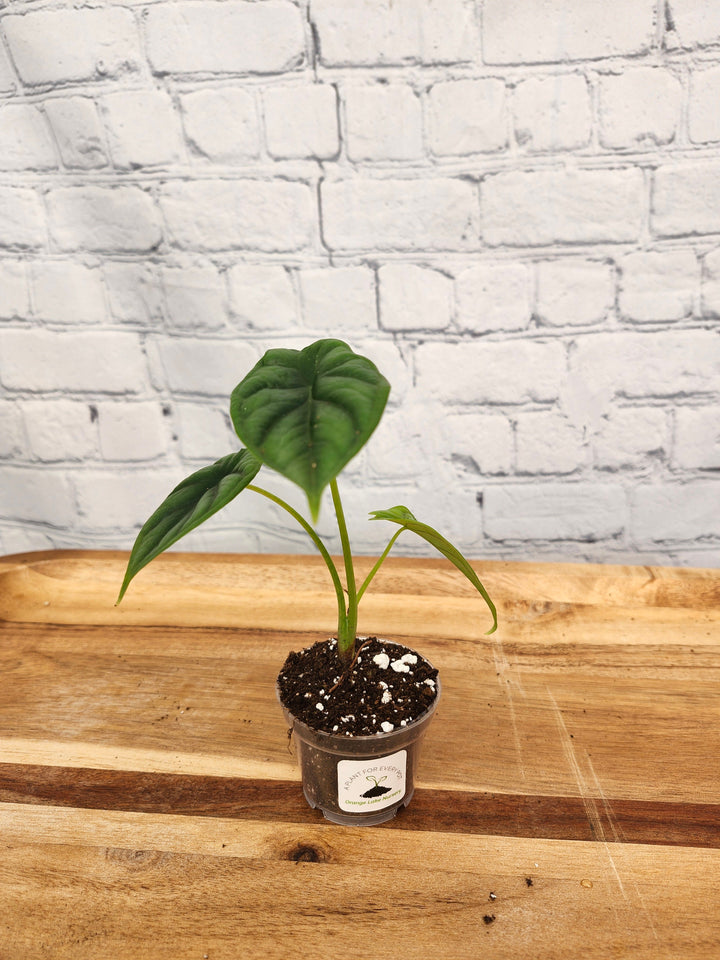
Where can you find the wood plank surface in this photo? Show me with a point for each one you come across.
(567, 802)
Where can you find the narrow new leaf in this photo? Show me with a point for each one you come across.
(306, 413)
(198, 497)
(406, 520)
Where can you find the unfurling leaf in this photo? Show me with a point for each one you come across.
(405, 518)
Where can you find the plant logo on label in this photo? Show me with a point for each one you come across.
(365, 785)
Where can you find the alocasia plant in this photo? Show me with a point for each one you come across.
(305, 414)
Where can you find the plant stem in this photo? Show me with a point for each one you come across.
(346, 642)
(342, 615)
(378, 563)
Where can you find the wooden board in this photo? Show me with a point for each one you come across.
(567, 803)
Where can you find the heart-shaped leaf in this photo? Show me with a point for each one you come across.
(306, 413)
(405, 518)
(198, 497)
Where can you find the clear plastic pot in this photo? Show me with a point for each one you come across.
(359, 781)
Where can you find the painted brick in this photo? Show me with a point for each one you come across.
(686, 199)
(639, 108)
(383, 122)
(697, 438)
(711, 284)
(262, 297)
(36, 496)
(658, 364)
(12, 435)
(113, 219)
(61, 430)
(67, 292)
(22, 538)
(78, 132)
(367, 32)
(488, 372)
(25, 142)
(675, 511)
(574, 292)
(302, 121)
(552, 113)
(562, 206)
(467, 116)
(112, 501)
(546, 31)
(437, 214)
(414, 298)
(231, 37)
(554, 511)
(392, 362)
(131, 431)
(342, 298)
(134, 292)
(626, 436)
(195, 297)
(204, 431)
(221, 124)
(547, 442)
(97, 361)
(494, 296)
(205, 267)
(208, 367)
(696, 22)
(8, 80)
(143, 128)
(703, 118)
(14, 294)
(401, 447)
(478, 443)
(658, 285)
(22, 218)
(58, 46)
(268, 215)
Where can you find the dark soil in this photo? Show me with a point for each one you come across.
(314, 688)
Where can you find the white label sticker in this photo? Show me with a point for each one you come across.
(371, 784)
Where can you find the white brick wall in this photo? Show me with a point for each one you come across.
(236, 37)
(512, 206)
(639, 107)
(65, 45)
(467, 116)
(551, 31)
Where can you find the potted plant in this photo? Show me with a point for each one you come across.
(358, 707)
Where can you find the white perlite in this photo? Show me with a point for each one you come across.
(387, 727)
(382, 660)
(403, 664)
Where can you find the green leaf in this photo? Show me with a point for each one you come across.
(405, 518)
(306, 413)
(198, 497)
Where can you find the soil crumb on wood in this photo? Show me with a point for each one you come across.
(388, 687)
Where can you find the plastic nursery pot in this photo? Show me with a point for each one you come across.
(360, 781)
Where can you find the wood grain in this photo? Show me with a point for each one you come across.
(444, 811)
(150, 805)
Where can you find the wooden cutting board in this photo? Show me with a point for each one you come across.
(568, 801)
